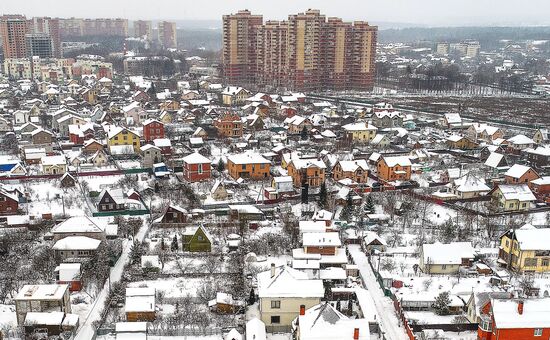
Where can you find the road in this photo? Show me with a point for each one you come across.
(389, 323)
(86, 330)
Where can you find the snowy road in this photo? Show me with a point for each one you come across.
(388, 321)
(86, 330)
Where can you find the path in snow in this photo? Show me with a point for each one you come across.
(86, 330)
(388, 321)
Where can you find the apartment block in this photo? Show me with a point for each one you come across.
(39, 45)
(13, 29)
(308, 52)
(167, 34)
(51, 27)
(143, 28)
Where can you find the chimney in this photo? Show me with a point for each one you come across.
(520, 307)
(272, 270)
(302, 310)
(356, 334)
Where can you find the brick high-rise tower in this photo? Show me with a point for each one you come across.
(13, 29)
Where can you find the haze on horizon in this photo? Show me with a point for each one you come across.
(412, 12)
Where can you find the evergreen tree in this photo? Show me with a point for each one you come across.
(350, 307)
(347, 211)
(303, 134)
(323, 203)
(252, 297)
(152, 91)
(441, 304)
(136, 252)
(220, 165)
(162, 244)
(338, 306)
(448, 233)
(174, 246)
(369, 205)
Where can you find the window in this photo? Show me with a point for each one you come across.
(275, 319)
(530, 262)
(507, 243)
(200, 168)
(243, 166)
(545, 262)
(443, 266)
(538, 331)
(275, 304)
(199, 238)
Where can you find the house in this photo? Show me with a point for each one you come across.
(53, 165)
(116, 200)
(196, 239)
(518, 143)
(539, 157)
(152, 129)
(99, 158)
(234, 95)
(42, 298)
(525, 250)
(479, 131)
(297, 124)
(321, 243)
(91, 146)
(282, 184)
(173, 214)
(218, 191)
(360, 132)
(520, 174)
(140, 304)
(50, 324)
(229, 125)
(69, 273)
(150, 155)
(196, 167)
(477, 300)
(438, 258)
(511, 319)
(513, 197)
(225, 304)
(9, 203)
(381, 141)
(496, 160)
(372, 242)
(279, 304)
(357, 170)
(248, 165)
(245, 212)
(451, 120)
(41, 136)
(394, 168)
(310, 171)
(80, 226)
(469, 186)
(76, 247)
(326, 322)
(541, 188)
(541, 136)
(233, 335)
(387, 119)
(164, 144)
(119, 136)
(460, 142)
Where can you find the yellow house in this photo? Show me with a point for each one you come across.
(123, 136)
(361, 132)
(234, 95)
(438, 258)
(525, 250)
(513, 197)
(282, 291)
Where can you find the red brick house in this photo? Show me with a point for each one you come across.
(321, 243)
(9, 203)
(506, 319)
(229, 125)
(520, 174)
(152, 129)
(196, 167)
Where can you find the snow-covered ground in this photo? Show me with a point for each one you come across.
(389, 323)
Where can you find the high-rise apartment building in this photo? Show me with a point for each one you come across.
(71, 27)
(49, 26)
(167, 34)
(39, 45)
(240, 47)
(143, 28)
(105, 27)
(13, 29)
(308, 52)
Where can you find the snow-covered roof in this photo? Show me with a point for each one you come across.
(397, 160)
(325, 322)
(68, 271)
(248, 158)
(130, 327)
(42, 292)
(521, 140)
(361, 126)
(288, 283)
(520, 192)
(255, 329)
(494, 159)
(53, 160)
(533, 238)
(536, 313)
(354, 165)
(321, 240)
(77, 243)
(80, 224)
(195, 158)
(44, 318)
(470, 183)
(451, 253)
(517, 170)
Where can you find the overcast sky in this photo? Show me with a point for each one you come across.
(424, 12)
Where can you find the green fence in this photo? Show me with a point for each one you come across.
(135, 171)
